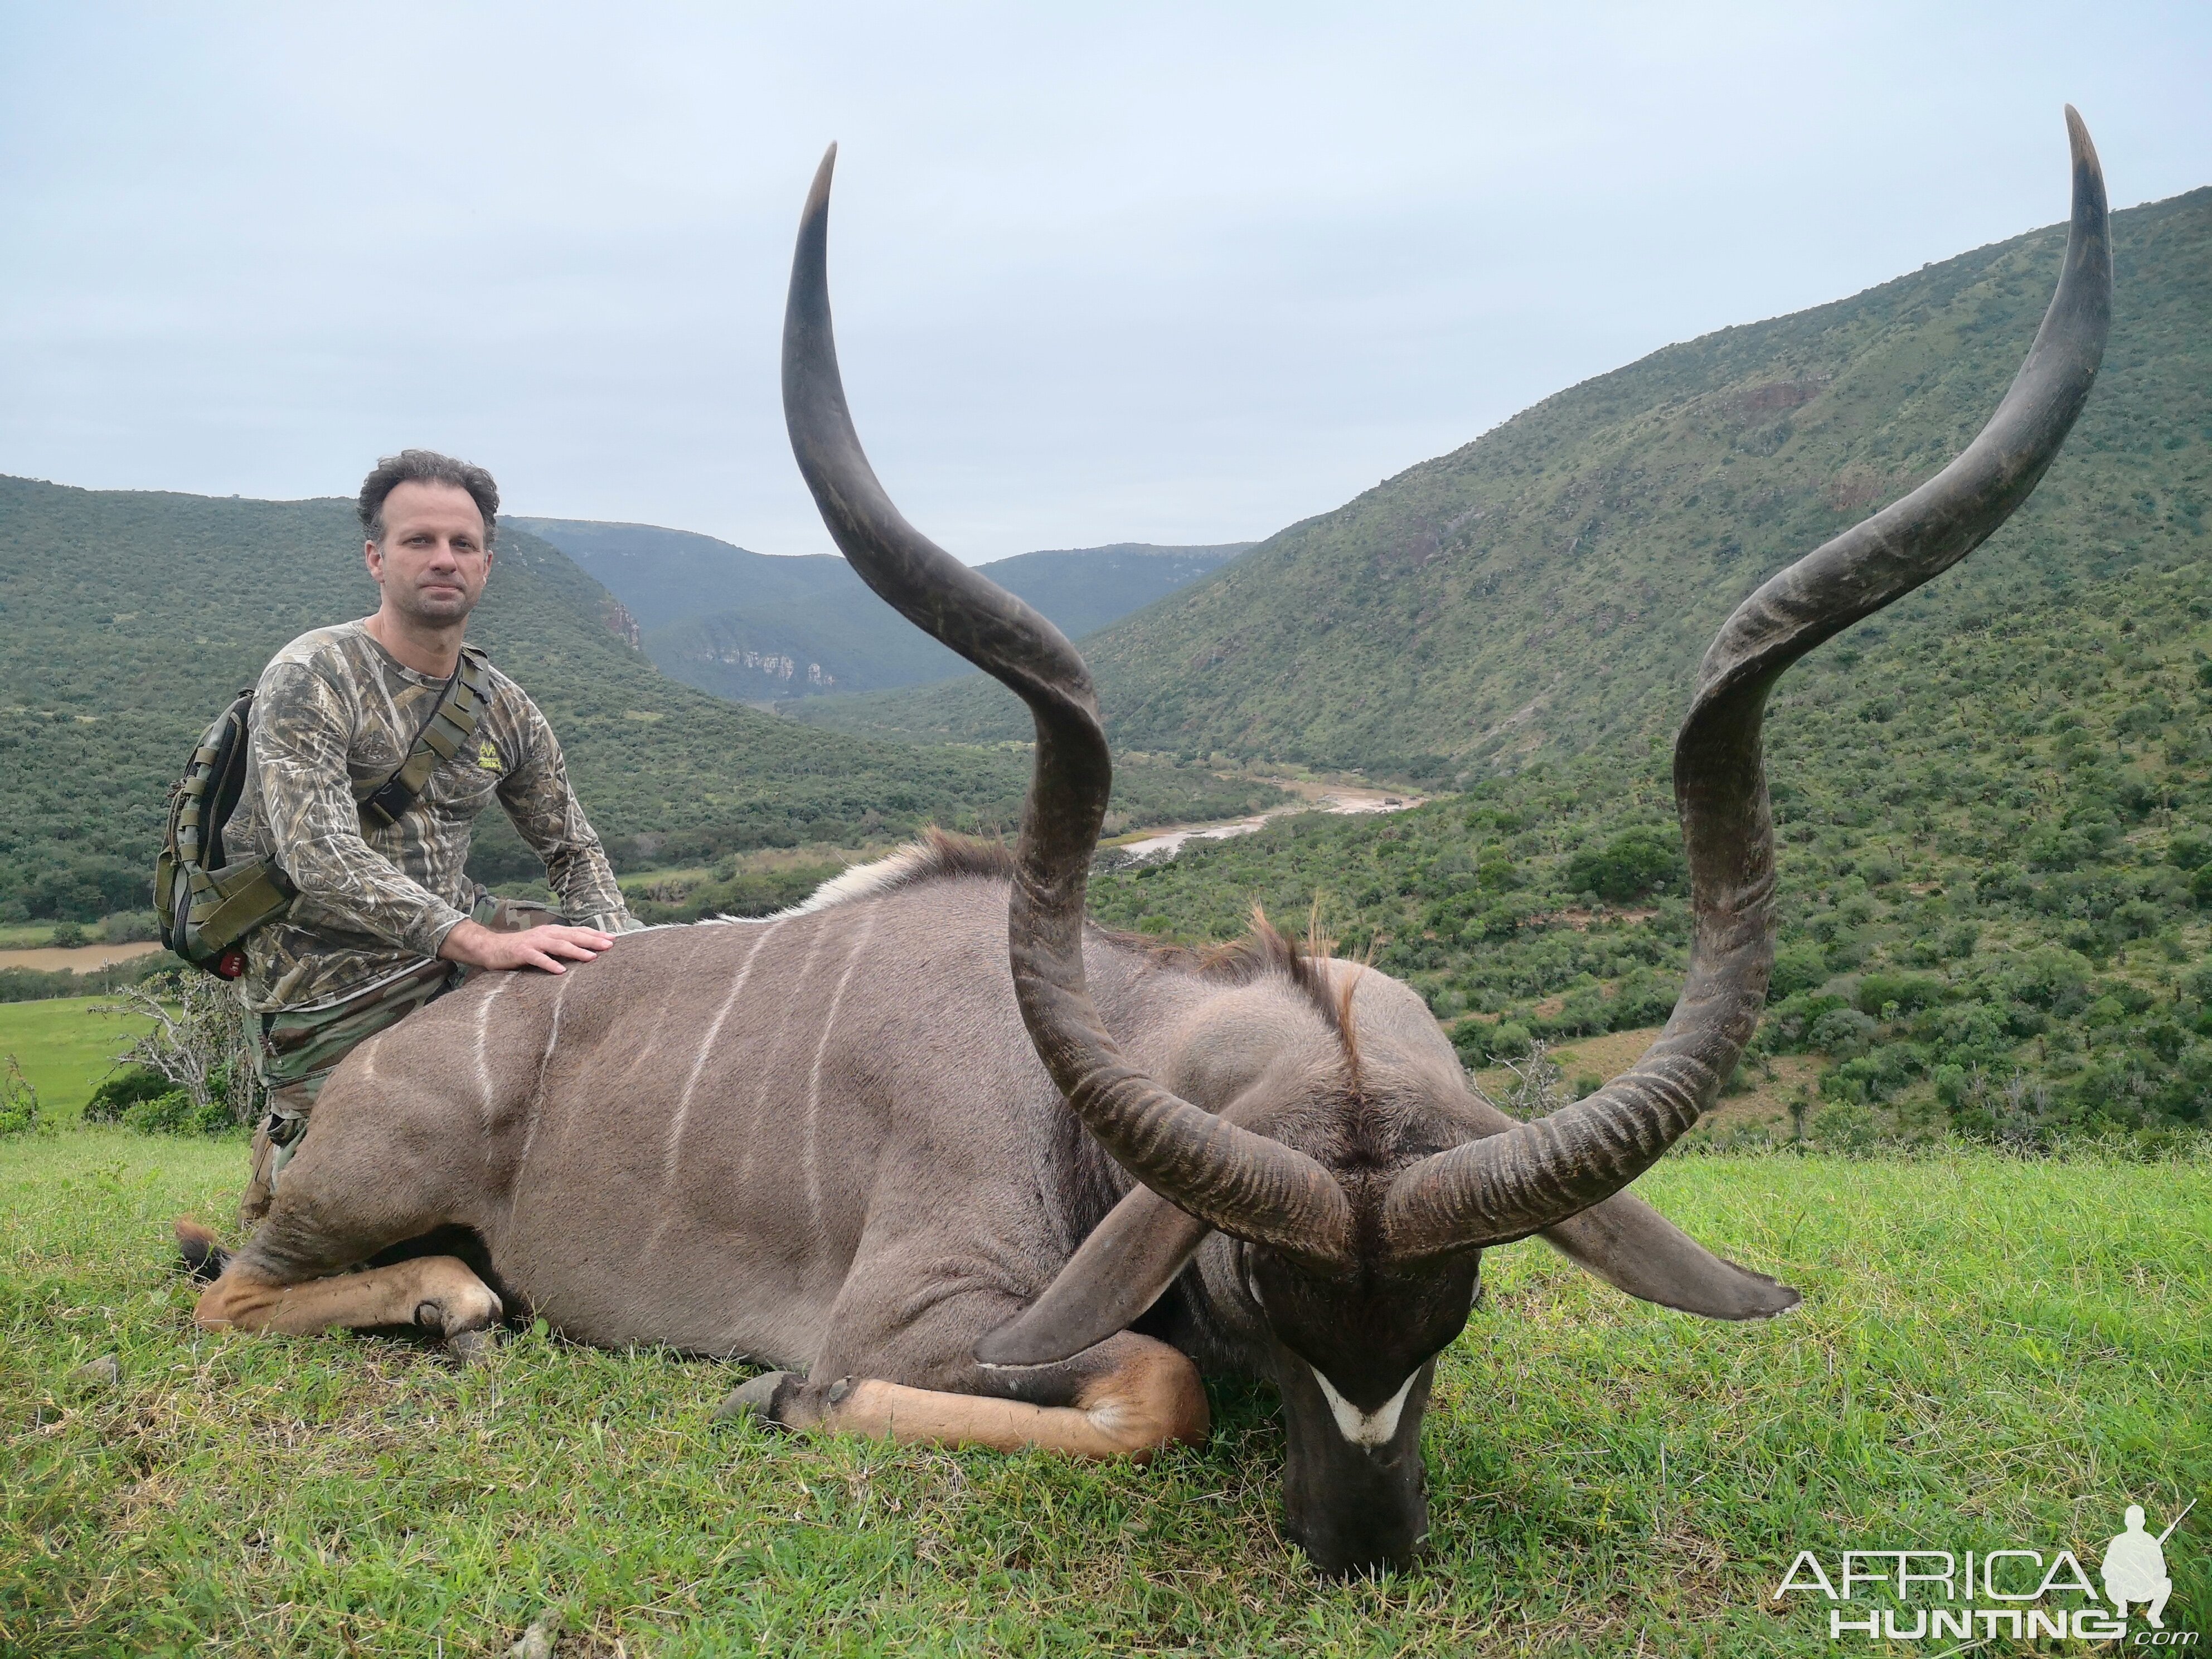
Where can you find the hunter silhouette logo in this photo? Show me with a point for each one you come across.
(487, 756)
(1982, 1595)
(2134, 1568)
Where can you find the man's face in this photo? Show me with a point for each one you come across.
(433, 562)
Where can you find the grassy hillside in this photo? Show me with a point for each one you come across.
(127, 619)
(1995, 877)
(1992, 1354)
(756, 628)
(1555, 582)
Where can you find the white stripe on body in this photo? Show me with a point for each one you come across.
(484, 1088)
(674, 1141)
(769, 1050)
(814, 1075)
(652, 1042)
(537, 1096)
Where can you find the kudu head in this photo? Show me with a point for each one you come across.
(1355, 1247)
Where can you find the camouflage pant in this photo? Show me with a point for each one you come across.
(298, 1051)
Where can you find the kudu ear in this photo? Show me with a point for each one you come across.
(1121, 1269)
(1630, 1246)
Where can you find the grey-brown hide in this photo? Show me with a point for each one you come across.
(808, 1140)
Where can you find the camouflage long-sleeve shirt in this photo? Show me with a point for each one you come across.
(335, 714)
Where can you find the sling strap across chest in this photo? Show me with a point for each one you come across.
(208, 905)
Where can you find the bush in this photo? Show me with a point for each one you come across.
(1801, 968)
(1846, 1127)
(1507, 1040)
(1843, 1032)
(30, 985)
(174, 1114)
(19, 1111)
(122, 1090)
(1910, 992)
(1633, 864)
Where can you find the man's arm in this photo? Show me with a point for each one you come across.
(546, 814)
(299, 739)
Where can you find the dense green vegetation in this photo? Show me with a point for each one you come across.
(127, 618)
(1991, 1353)
(1554, 584)
(757, 629)
(1995, 875)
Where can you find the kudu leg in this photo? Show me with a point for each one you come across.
(435, 1293)
(376, 1170)
(1128, 1397)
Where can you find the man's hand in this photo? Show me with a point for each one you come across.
(547, 947)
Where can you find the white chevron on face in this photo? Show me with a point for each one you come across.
(1368, 1429)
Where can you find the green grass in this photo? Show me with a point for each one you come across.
(65, 1046)
(1990, 1351)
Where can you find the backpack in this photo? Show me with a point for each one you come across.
(208, 906)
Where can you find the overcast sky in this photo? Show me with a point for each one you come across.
(1183, 273)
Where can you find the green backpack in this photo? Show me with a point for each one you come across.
(208, 905)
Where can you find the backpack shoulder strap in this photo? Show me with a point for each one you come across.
(452, 722)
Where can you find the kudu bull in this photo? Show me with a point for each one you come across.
(973, 1207)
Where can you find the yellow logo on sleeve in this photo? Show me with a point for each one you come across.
(487, 756)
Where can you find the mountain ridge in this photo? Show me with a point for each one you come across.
(1553, 584)
(129, 619)
(763, 629)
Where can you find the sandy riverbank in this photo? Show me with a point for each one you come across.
(77, 959)
(1343, 799)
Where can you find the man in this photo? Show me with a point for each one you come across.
(386, 919)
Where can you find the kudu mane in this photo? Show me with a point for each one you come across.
(1264, 950)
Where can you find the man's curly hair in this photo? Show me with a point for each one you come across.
(425, 466)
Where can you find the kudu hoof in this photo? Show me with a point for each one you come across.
(755, 1398)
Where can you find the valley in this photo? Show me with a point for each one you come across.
(1992, 801)
(760, 629)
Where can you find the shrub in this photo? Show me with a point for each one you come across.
(1910, 992)
(174, 1114)
(122, 1090)
(19, 1111)
(1846, 1127)
(129, 926)
(1644, 998)
(1633, 864)
(1843, 1032)
(1789, 1027)
(1800, 968)
(1508, 1040)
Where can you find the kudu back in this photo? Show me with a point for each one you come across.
(967, 1169)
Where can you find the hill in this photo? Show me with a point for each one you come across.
(757, 629)
(1553, 584)
(1995, 873)
(127, 618)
